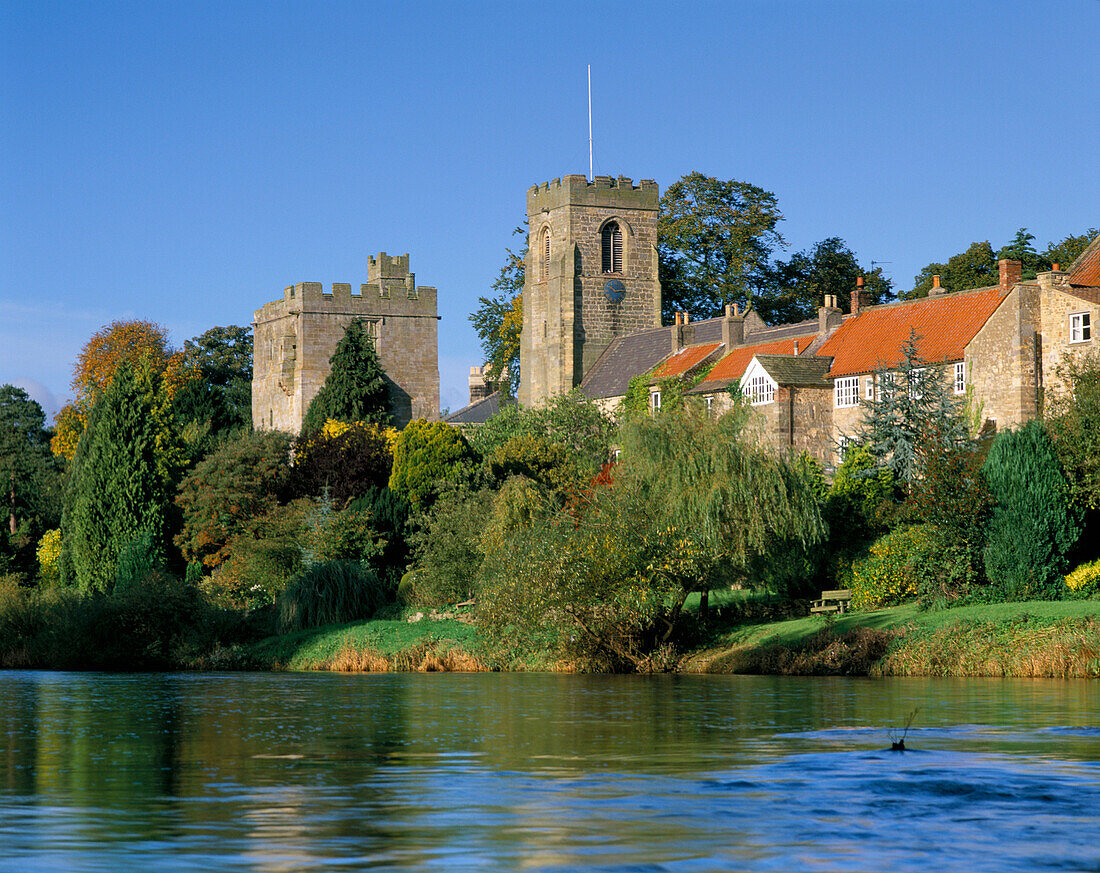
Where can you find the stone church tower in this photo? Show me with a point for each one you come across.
(590, 276)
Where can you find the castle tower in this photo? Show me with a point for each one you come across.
(590, 276)
(294, 337)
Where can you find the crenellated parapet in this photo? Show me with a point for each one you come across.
(602, 191)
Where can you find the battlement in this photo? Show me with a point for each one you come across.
(603, 191)
(387, 267)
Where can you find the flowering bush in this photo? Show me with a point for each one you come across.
(888, 575)
(1085, 578)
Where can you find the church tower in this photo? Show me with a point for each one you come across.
(590, 276)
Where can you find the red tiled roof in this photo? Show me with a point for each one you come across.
(1086, 269)
(733, 365)
(943, 324)
(684, 360)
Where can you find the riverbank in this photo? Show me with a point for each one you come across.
(1032, 639)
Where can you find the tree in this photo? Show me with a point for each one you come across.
(228, 491)
(974, 268)
(355, 388)
(1073, 419)
(117, 490)
(570, 420)
(498, 320)
(141, 345)
(1067, 251)
(222, 394)
(714, 240)
(426, 457)
(1034, 525)
(693, 503)
(798, 286)
(1020, 249)
(30, 478)
(913, 412)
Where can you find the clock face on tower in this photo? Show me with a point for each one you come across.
(615, 291)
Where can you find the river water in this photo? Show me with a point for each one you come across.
(289, 772)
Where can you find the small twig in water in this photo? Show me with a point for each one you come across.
(897, 744)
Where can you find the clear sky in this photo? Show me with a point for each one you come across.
(184, 162)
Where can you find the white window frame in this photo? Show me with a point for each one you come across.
(1080, 327)
(869, 388)
(846, 392)
(916, 376)
(655, 401)
(708, 401)
(960, 377)
(756, 385)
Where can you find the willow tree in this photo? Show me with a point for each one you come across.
(691, 505)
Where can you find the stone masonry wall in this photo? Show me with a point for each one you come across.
(568, 320)
(294, 338)
(1002, 361)
(1057, 306)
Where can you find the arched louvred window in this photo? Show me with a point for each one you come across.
(544, 255)
(612, 246)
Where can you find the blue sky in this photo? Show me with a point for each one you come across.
(184, 162)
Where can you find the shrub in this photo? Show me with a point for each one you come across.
(389, 514)
(1085, 579)
(329, 593)
(49, 553)
(229, 490)
(448, 557)
(537, 459)
(345, 461)
(427, 456)
(138, 560)
(887, 577)
(1033, 525)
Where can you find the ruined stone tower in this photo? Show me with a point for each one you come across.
(294, 338)
(590, 276)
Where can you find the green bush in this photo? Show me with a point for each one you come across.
(427, 456)
(138, 559)
(1033, 525)
(889, 574)
(389, 514)
(448, 555)
(330, 593)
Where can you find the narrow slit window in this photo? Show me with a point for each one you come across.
(960, 377)
(544, 252)
(612, 247)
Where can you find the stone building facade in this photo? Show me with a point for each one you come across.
(295, 336)
(590, 277)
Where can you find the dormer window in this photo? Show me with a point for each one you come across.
(1080, 327)
(611, 246)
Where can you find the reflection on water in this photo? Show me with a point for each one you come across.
(538, 772)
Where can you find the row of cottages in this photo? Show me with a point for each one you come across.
(1001, 346)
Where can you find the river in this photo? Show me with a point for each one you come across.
(290, 772)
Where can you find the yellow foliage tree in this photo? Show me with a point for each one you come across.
(142, 344)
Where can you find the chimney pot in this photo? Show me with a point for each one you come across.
(935, 281)
(1057, 268)
(678, 322)
(729, 310)
(859, 282)
(687, 318)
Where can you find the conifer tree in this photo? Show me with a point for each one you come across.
(355, 389)
(116, 493)
(1034, 524)
(914, 410)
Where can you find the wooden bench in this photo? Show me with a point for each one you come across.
(833, 601)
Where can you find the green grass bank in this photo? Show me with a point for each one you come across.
(1032, 639)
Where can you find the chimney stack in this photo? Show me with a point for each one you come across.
(1010, 272)
(857, 296)
(733, 327)
(829, 316)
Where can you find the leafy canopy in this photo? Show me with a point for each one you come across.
(796, 288)
(714, 240)
(498, 320)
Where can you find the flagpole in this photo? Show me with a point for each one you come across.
(591, 177)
